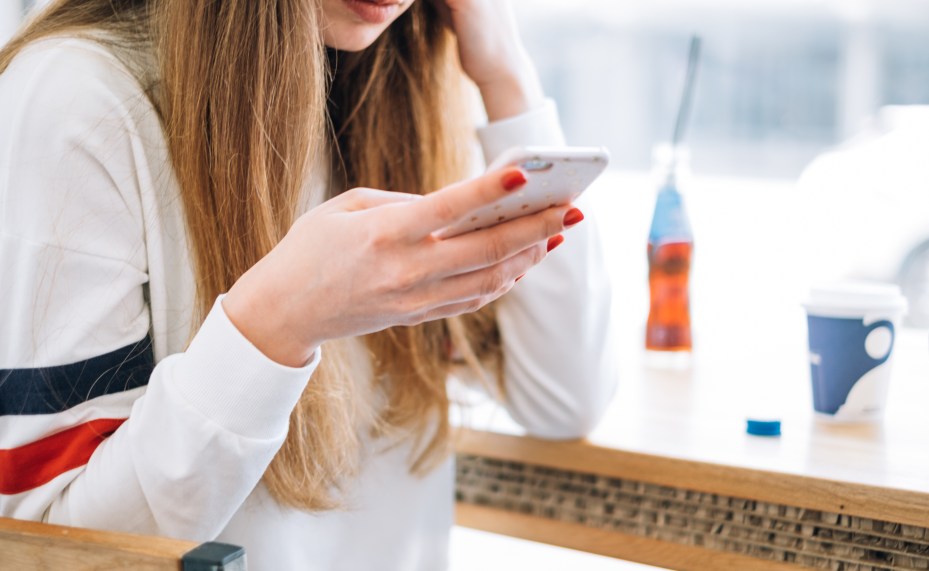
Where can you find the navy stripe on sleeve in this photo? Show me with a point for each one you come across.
(55, 389)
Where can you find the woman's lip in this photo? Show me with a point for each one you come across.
(374, 11)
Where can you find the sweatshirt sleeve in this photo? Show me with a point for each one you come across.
(559, 373)
(93, 432)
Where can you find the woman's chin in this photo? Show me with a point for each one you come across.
(353, 25)
(351, 40)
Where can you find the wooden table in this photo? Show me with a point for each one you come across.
(670, 477)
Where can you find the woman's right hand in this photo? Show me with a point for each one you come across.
(369, 259)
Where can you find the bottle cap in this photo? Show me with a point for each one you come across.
(758, 427)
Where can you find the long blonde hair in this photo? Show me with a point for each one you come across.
(250, 102)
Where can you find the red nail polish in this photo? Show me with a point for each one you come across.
(513, 179)
(554, 242)
(573, 216)
(519, 278)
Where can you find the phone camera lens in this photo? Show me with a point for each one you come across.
(536, 165)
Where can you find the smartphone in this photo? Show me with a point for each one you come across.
(555, 176)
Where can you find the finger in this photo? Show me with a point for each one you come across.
(451, 310)
(365, 198)
(484, 284)
(469, 306)
(452, 203)
(499, 278)
(482, 248)
(456, 309)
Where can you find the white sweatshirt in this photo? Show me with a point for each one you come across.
(106, 421)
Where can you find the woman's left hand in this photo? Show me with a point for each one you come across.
(493, 56)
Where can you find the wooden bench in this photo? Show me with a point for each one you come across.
(28, 545)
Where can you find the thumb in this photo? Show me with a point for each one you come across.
(365, 198)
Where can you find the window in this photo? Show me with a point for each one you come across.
(780, 81)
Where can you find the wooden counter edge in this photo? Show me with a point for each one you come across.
(895, 505)
(609, 543)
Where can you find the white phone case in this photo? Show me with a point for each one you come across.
(555, 176)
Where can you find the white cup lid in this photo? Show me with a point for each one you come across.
(856, 296)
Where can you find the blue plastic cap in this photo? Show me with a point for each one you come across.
(763, 427)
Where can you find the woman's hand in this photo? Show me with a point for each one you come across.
(369, 259)
(493, 56)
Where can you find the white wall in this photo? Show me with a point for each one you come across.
(11, 12)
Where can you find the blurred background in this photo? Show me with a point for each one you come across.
(809, 135)
(780, 80)
(809, 146)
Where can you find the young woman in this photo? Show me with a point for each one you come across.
(204, 335)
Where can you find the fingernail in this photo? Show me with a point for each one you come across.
(519, 278)
(573, 216)
(554, 242)
(513, 180)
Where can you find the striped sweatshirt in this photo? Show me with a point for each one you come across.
(110, 419)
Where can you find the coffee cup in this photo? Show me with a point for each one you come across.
(852, 329)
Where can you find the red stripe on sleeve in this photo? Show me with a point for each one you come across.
(27, 467)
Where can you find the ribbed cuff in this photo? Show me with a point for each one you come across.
(230, 381)
(537, 127)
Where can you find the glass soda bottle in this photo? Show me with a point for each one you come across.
(670, 252)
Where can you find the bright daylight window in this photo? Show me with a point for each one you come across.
(781, 82)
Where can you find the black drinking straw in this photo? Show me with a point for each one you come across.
(683, 111)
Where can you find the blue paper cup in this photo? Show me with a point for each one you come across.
(852, 329)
